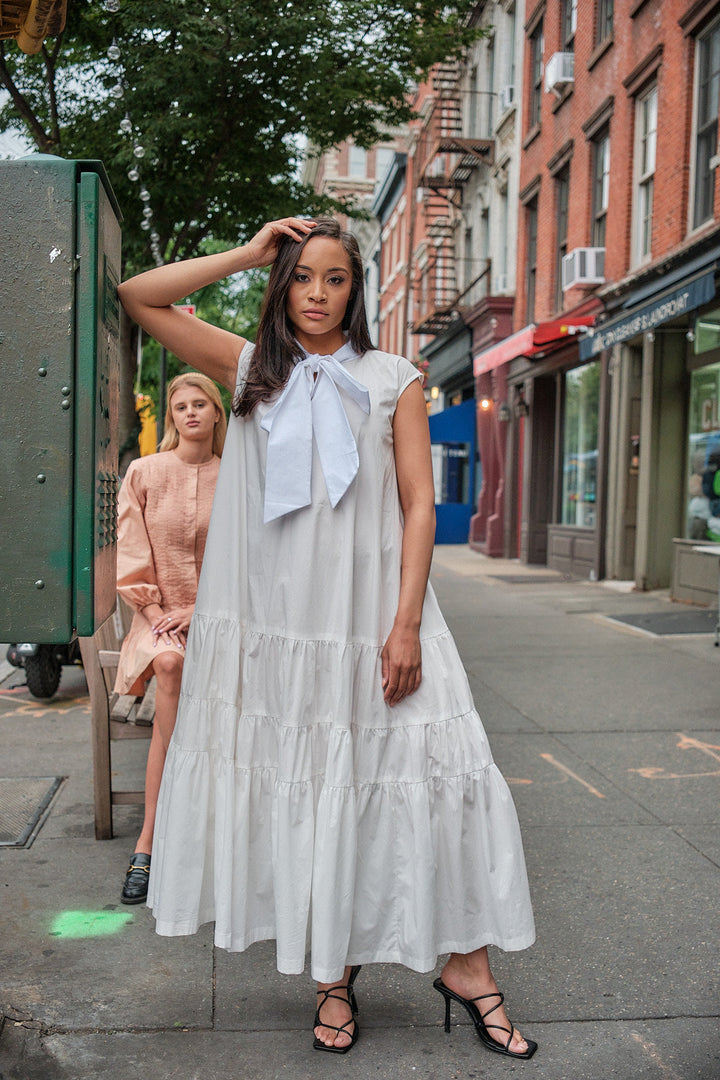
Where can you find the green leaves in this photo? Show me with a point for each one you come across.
(222, 96)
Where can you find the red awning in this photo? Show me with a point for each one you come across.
(516, 345)
(559, 330)
(530, 341)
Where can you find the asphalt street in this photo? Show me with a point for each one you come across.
(606, 726)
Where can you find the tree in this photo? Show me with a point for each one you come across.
(219, 98)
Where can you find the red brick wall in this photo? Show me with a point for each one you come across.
(599, 75)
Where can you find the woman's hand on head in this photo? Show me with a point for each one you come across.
(401, 664)
(263, 247)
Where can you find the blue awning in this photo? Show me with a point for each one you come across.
(670, 304)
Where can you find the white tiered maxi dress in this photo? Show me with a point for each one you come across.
(295, 804)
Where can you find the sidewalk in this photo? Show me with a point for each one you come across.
(608, 736)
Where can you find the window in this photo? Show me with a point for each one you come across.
(510, 50)
(531, 211)
(358, 161)
(703, 502)
(601, 188)
(473, 104)
(469, 273)
(562, 198)
(490, 88)
(536, 73)
(580, 445)
(605, 20)
(383, 159)
(646, 142)
(504, 237)
(706, 133)
(484, 248)
(569, 24)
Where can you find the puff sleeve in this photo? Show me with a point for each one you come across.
(136, 576)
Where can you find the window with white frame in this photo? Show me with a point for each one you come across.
(383, 159)
(490, 87)
(468, 270)
(510, 50)
(645, 153)
(358, 162)
(484, 235)
(601, 187)
(503, 251)
(473, 98)
(707, 96)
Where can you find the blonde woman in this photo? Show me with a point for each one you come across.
(164, 512)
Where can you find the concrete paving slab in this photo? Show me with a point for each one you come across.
(496, 711)
(626, 926)
(73, 956)
(634, 1050)
(553, 782)
(704, 838)
(674, 775)
(250, 994)
(622, 979)
(618, 690)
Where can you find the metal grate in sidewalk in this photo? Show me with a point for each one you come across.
(695, 621)
(23, 802)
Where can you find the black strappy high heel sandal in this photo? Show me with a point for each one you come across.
(352, 1002)
(479, 1019)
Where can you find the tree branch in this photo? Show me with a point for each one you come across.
(43, 141)
(49, 58)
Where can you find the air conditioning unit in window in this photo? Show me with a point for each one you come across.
(583, 266)
(560, 71)
(507, 98)
(500, 284)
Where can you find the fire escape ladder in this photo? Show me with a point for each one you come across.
(446, 161)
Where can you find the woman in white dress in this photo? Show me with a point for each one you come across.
(329, 782)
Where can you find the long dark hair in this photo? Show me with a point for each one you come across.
(276, 349)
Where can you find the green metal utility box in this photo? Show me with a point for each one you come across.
(59, 352)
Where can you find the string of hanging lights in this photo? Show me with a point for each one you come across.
(128, 129)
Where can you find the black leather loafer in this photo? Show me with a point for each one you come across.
(135, 888)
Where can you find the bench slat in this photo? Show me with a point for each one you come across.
(146, 709)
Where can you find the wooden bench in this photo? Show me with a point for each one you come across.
(114, 716)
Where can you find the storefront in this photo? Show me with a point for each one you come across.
(662, 349)
(450, 376)
(550, 409)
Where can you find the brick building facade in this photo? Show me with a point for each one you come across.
(618, 229)
(570, 160)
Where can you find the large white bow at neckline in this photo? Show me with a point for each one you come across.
(310, 405)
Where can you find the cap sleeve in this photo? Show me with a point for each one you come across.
(407, 373)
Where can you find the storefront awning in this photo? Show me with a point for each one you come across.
(668, 305)
(530, 341)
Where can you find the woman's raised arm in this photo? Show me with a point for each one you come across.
(149, 297)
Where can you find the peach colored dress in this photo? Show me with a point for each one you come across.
(164, 512)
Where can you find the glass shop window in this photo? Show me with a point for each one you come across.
(703, 471)
(451, 472)
(580, 445)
